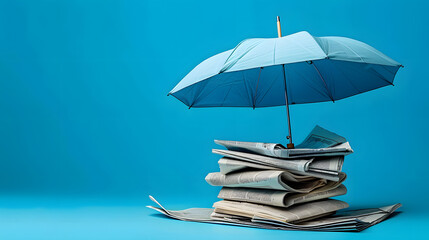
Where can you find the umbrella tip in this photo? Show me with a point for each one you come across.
(278, 19)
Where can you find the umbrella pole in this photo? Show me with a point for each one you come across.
(290, 144)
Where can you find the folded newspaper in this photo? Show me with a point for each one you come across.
(279, 198)
(268, 179)
(322, 167)
(320, 142)
(301, 217)
(320, 155)
(266, 185)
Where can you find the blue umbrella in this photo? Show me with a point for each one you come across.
(294, 69)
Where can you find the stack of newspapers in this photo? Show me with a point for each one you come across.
(266, 185)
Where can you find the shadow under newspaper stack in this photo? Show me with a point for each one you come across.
(265, 185)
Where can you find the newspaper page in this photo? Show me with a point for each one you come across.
(327, 176)
(228, 165)
(292, 214)
(321, 138)
(297, 165)
(302, 166)
(355, 220)
(326, 224)
(351, 220)
(279, 198)
(352, 224)
(320, 142)
(331, 164)
(282, 198)
(267, 149)
(342, 149)
(267, 179)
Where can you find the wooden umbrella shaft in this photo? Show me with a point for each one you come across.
(279, 27)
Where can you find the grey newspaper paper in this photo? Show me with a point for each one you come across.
(341, 221)
(265, 185)
(320, 142)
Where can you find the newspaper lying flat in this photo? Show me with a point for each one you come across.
(352, 220)
(296, 213)
(320, 142)
(356, 220)
(324, 167)
(280, 198)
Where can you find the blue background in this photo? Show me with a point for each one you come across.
(87, 131)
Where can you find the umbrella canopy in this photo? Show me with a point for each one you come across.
(317, 69)
(293, 69)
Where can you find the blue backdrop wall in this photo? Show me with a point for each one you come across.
(84, 110)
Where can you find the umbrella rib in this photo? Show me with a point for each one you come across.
(321, 77)
(309, 84)
(233, 52)
(385, 67)
(380, 76)
(245, 85)
(265, 94)
(351, 51)
(256, 91)
(229, 90)
(225, 68)
(199, 95)
(181, 101)
(348, 79)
